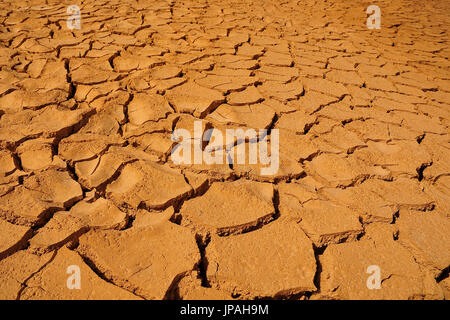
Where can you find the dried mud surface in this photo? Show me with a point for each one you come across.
(86, 177)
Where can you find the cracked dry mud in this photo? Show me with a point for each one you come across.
(86, 179)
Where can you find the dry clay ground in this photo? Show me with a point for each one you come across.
(86, 177)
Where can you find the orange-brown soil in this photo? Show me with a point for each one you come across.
(86, 177)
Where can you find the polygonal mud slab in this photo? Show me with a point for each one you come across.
(276, 260)
(230, 208)
(140, 259)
